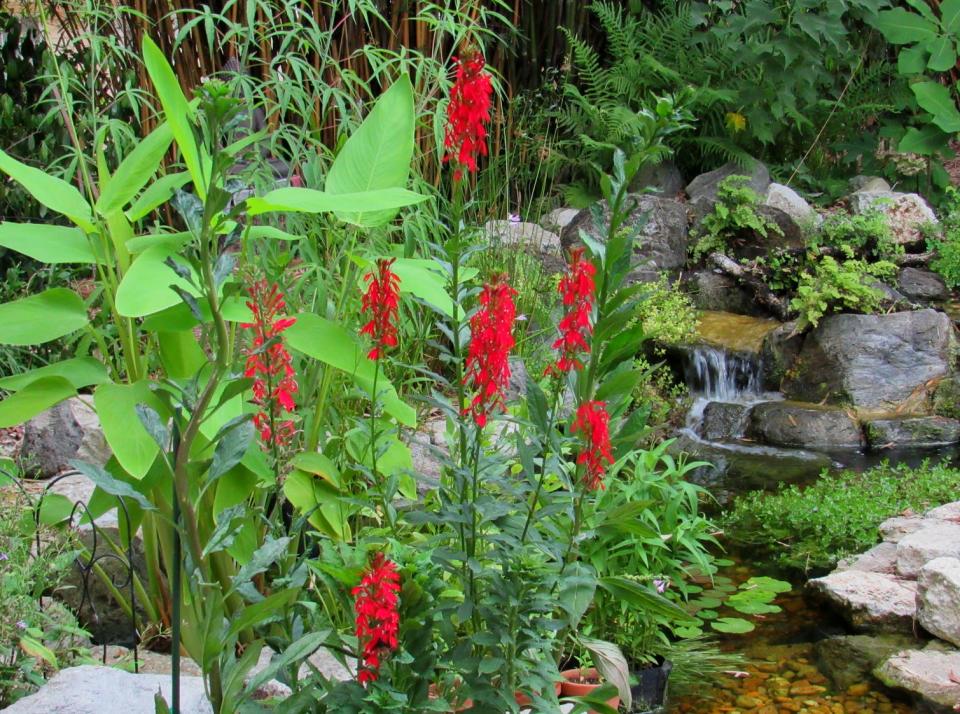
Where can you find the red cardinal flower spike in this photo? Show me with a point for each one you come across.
(378, 620)
(577, 290)
(488, 365)
(269, 363)
(381, 301)
(468, 114)
(594, 423)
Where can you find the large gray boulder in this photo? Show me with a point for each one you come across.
(716, 292)
(793, 204)
(804, 425)
(938, 599)
(663, 179)
(869, 601)
(881, 558)
(873, 361)
(558, 219)
(528, 237)
(663, 239)
(936, 539)
(104, 690)
(722, 421)
(704, 187)
(906, 213)
(929, 673)
(912, 431)
(918, 284)
(69, 430)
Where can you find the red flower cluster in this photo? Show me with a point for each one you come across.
(467, 114)
(594, 422)
(488, 366)
(577, 290)
(381, 300)
(378, 620)
(269, 363)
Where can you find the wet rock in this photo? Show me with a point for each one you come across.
(103, 690)
(849, 660)
(793, 204)
(722, 421)
(715, 291)
(558, 219)
(663, 239)
(779, 351)
(869, 183)
(869, 601)
(528, 237)
(803, 425)
(912, 431)
(663, 179)
(938, 598)
(905, 212)
(737, 334)
(919, 284)
(704, 187)
(881, 558)
(893, 530)
(935, 539)
(926, 673)
(873, 361)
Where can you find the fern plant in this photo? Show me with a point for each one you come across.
(734, 212)
(837, 287)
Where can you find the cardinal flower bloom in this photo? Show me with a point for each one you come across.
(381, 301)
(467, 115)
(269, 363)
(577, 290)
(488, 366)
(378, 620)
(593, 422)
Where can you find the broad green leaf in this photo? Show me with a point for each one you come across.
(156, 194)
(176, 110)
(267, 610)
(926, 141)
(330, 343)
(313, 462)
(260, 232)
(170, 241)
(936, 99)
(426, 284)
(33, 399)
(902, 27)
(47, 243)
(612, 665)
(54, 193)
(950, 16)
(135, 170)
(145, 289)
(40, 318)
(314, 496)
(943, 54)
(732, 625)
(79, 371)
(308, 200)
(107, 483)
(132, 445)
(576, 591)
(912, 60)
(231, 448)
(180, 354)
(642, 598)
(378, 154)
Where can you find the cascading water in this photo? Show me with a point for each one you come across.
(721, 376)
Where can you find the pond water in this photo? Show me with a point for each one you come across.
(783, 674)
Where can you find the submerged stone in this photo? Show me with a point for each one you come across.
(849, 660)
(912, 431)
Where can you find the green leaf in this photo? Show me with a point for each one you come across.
(950, 16)
(106, 482)
(330, 343)
(230, 449)
(47, 243)
(317, 464)
(912, 60)
(35, 648)
(927, 141)
(267, 610)
(132, 445)
(313, 496)
(612, 666)
(943, 54)
(79, 371)
(229, 523)
(56, 194)
(269, 232)
(308, 200)
(763, 582)
(427, 284)
(936, 99)
(135, 170)
(299, 650)
(577, 591)
(642, 598)
(265, 556)
(902, 27)
(176, 110)
(180, 354)
(34, 398)
(145, 289)
(41, 318)
(732, 625)
(156, 194)
(378, 154)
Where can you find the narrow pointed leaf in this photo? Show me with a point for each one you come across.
(52, 192)
(47, 243)
(41, 318)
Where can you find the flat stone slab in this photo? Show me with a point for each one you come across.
(938, 599)
(103, 690)
(936, 539)
(881, 558)
(912, 431)
(870, 601)
(895, 529)
(926, 673)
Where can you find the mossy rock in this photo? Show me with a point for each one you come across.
(946, 398)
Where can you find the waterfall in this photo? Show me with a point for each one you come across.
(721, 376)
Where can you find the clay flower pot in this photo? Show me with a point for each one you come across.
(578, 682)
